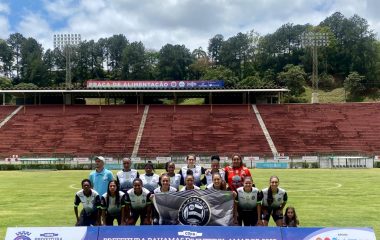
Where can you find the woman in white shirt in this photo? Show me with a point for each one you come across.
(218, 182)
(149, 178)
(112, 204)
(189, 182)
(138, 204)
(164, 188)
(126, 176)
(197, 171)
(175, 178)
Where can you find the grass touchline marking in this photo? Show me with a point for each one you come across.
(72, 186)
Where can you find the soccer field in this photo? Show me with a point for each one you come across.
(335, 198)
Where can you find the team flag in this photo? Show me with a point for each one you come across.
(195, 207)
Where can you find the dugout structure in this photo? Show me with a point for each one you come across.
(348, 162)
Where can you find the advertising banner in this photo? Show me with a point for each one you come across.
(271, 165)
(190, 233)
(328, 234)
(151, 84)
(187, 232)
(52, 233)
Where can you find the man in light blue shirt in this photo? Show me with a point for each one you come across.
(100, 177)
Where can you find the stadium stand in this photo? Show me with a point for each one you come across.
(298, 129)
(77, 130)
(222, 129)
(5, 111)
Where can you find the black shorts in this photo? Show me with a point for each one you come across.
(110, 219)
(87, 219)
(248, 218)
(267, 212)
(135, 214)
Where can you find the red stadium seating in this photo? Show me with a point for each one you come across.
(199, 129)
(323, 128)
(77, 130)
(296, 129)
(5, 111)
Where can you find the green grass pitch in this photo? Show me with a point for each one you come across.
(322, 197)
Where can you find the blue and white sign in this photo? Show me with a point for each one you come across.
(189, 233)
(52, 233)
(271, 165)
(178, 232)
(328, 234)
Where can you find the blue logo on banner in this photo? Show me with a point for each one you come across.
(23, 235)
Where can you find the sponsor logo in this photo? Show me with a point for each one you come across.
(190, 234)
(48, 236)
(23, 235)
(194, 211)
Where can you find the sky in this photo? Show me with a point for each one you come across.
(158, 22)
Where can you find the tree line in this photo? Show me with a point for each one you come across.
(351, 59)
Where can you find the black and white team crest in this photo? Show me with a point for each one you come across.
(194, 211)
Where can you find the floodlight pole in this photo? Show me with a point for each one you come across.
(68, 65)
(314, 95)
(314, 40)
(65, 42)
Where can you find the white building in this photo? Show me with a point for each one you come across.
(61, 40)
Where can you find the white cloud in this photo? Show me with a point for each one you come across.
(4, 9)
(188, 22)
(4, 28)
(33, 25)
(59, 9)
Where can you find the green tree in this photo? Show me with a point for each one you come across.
(59, 72)
(354, 84)
(255, 82)
(221, 73)
(235, 54)
(5, 83)
(377, 65)
(15, 41)
(48, 59)
(80, 61)
(33, 69)
(200, 65)
(214, 48)
(355, 46)
(152, 57)
(115, 47)
(280, 48)
(5, 58)
(293, 77)
(96, 60)
(134, 62)
(174, 62)
(326, 81)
